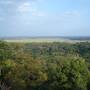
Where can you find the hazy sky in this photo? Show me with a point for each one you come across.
(44, 18)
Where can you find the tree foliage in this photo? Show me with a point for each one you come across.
(44, 66)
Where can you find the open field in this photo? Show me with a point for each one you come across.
(41, 40)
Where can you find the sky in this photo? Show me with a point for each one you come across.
(44, 18)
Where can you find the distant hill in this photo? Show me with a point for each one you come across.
(47, 39)
(53, 37)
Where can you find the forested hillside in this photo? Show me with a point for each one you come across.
(44, 66)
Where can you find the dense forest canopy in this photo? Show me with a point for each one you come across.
(44, 66)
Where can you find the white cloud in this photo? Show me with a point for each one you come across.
(1, 18)
(27, 7)
(72, 13)
(6, 2)
(40, 0)
(38, 14)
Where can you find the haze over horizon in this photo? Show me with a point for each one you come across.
(44, 18)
